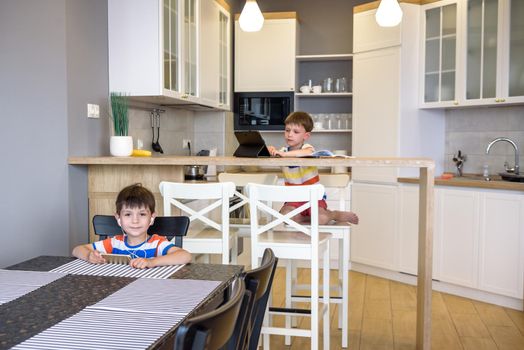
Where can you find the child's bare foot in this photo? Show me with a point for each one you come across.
(348, 216)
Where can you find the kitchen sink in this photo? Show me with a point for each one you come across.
(512, 177)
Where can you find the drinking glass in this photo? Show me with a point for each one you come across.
(341, 85)
(338, 121)
(328, 85)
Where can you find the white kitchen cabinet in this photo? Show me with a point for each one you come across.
(265, 60)
(167, 51)
(215, 55)
(148, 49)
(387, 121)
(501, 243)
(408, 230)
(440, 48)
(478, 238)
(457, 226)
(374, 238)
(472, 53)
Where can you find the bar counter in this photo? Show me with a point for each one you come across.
(108, 175)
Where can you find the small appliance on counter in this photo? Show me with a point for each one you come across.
(196, 172)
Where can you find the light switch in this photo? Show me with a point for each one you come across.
(93, 111)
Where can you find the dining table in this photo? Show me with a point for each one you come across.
(68, 295)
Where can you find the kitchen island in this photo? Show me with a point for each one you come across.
(108, 175)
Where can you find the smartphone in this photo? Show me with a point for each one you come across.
(117, 259)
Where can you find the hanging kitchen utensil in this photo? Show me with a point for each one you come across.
(158, 132)
(153, 123)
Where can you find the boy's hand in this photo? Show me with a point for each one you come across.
(94, 257)
(141, 263)
(273, 151)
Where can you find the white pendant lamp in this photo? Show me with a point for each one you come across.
(389, 13)
(251, 19)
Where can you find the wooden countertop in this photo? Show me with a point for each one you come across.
(186, 160)
(473, 181)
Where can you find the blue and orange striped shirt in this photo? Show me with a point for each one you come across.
(154, 246)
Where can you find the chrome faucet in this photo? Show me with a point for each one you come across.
(511, 142)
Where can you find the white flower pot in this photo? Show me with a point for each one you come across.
(121, 146)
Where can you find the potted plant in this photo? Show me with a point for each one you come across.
(120, 145)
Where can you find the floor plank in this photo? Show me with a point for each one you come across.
(382, 316)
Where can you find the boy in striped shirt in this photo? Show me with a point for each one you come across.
(298, 130)
(135, 212)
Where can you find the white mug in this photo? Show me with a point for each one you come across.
(317, 89)
(305, 89)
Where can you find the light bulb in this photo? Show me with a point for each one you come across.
(389, 13)
(251, 19)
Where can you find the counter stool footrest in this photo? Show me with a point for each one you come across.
(290, 311)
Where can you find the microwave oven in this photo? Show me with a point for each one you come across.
(262, 110)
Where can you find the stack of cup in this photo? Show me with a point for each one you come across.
(339, 169)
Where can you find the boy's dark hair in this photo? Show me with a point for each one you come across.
(135, 196)
(300, 118)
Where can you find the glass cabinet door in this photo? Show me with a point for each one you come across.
(481, 57)
(190, 47)
(516, 49)
(171, 50)
(440, 53)
(223, 91)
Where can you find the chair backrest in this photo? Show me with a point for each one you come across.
(173, 227)
(259, 195)
(176, 194)
(214, 329)
(258, 284)
(263, 275)
(241, 180)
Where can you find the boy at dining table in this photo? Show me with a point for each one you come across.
(135, 212)
(298, 127)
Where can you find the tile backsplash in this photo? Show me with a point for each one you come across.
(472, 129)
(204, 129)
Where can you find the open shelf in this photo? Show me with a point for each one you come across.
(324, 94)
(335, 57)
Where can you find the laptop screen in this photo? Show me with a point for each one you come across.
(251, 144)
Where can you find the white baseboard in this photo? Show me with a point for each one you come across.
(444, 287)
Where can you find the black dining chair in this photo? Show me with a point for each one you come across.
(169, 226)
(214, 329)
(249, 323)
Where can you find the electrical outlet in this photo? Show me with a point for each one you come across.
(93, 111)
(185, 143)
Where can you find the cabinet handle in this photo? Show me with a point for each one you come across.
(456, 103)
(184, 96)
(502, 100)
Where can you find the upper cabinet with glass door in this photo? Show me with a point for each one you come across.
(439, 45)
(514, 78)
(478, 62)
(155, 50)
(215, 58)
(494, 63)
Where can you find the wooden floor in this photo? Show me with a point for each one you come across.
(382, 316)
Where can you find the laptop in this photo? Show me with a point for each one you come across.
(251, 145)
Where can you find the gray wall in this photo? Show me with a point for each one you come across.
(87, 82)
(52, 61)
(326, 27)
